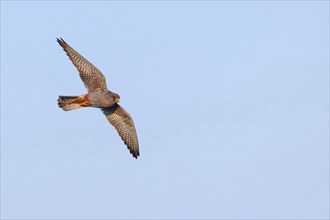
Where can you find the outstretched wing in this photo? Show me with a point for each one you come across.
(124, 125)
(89, 74)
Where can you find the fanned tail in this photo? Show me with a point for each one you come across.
(65, 102)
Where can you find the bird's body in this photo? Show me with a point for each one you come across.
(100, 99)
(97, 99)
(99, 96)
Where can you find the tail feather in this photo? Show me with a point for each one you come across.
(64, 102)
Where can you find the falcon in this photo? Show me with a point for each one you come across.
(99, 96)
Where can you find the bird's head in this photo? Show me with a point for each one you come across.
(114, 96)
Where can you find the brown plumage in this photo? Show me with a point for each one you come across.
(89, 74)
(124, 125)
(99, 96)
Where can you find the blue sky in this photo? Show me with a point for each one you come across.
(230, 102)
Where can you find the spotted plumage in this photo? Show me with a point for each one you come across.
(124, 125)
(99, 96)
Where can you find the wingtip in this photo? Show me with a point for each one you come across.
(61, 42)
(135, 154)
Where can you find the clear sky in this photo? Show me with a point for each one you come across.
(230, 102)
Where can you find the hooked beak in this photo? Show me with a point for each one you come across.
(117, 99)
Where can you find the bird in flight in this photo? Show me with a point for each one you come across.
(99, 96)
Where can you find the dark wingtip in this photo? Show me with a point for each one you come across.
(135, 154)
(61, 42)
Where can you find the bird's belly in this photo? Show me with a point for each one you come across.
(99, 100)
